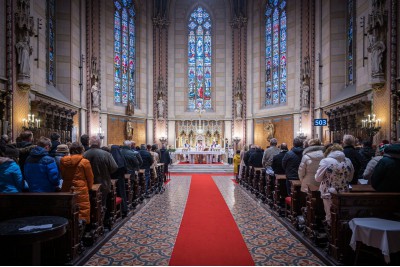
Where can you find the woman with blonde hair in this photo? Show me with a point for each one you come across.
(335, 171)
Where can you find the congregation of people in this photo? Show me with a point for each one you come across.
(49, 166)
(333, 167)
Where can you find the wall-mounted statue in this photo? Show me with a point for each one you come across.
(270, 129)
(376, 29)
(95, 96)
(239, 106)
(160, 106)
(129, 130)
(24, 29)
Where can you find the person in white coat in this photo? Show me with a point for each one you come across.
(312, 155)
(335, 172)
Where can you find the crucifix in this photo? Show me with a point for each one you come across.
(200, 110)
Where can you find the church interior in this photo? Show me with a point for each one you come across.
(206, 81)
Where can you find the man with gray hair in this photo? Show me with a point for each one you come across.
(350, 152)
(103, 165)
(270, 153)
(131, 160)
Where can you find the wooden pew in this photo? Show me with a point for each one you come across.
(128, 191)
(297, 202)
(136, 200)
(349, 205)
(280, 192)
(54, 252)
(142, 184)
(160, 177)
(261, 184)
(113, 212)
(269, 190)
(314, 215)
(95, 228)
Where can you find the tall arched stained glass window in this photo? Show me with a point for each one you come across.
(350, 41)
(124, 52)
(275, 52)
(199, 59)
(51, 42)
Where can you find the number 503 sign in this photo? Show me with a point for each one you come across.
(320, 122)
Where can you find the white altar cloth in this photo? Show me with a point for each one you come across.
(208, 154)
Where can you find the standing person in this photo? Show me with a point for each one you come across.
(270, 152)
(230, 155)
(242, 152)
(136, 152)
(369, 170)
(165, 158)
(386, 174)
(236, 163)
(312, 155)
(103, 165)
(291, 162)
(277, 160)
(77, 172)
(85, 141)
(24, 147)
(255, 159)
(350, 152)
(366, 152)
(41, 172)
(55, 141)
(119, 174)
(153, 167)
(334, 173)
(147, 162)
(10, 174)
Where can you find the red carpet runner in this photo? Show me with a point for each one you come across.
(208, 234)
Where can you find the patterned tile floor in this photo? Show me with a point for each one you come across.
(268, 241)
(149, 236)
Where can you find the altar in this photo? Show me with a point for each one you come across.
(192, 155)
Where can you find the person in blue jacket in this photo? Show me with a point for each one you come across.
(41, 172)
(10, 174)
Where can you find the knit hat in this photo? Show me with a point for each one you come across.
(382, 147)
(62, 149)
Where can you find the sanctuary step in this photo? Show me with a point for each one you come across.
(201, 168)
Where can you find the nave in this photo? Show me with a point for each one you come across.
(151, 236)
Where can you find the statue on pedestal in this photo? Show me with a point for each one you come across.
(95, 96)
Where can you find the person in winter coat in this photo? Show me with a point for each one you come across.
(103, 165)
(386, 174)
(55, 141)
(351, 153)
(61, 151)
(165, 158)
(256, 157)
(312, 155)
(10, 174)
(77, 172)
(242, 164)
(369, 170)
(41, 172)
(291, 162)
(270, 152)
(119, 174)
(277, 160)
(24, 146)
(366, 152)
(147, 162)
(236, 163)
(334, 173)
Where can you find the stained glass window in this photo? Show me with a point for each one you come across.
(275, 52)
(51, 42)
(350, 44)
(124, 52)
(199, 59)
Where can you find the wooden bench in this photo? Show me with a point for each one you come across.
(269, 190)
(314, 215)
(113, 212)
(128, 191)
(257, 182)
(280, 193)
(297, 202)
(95, 228)
(349, 205)
(54, 252)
